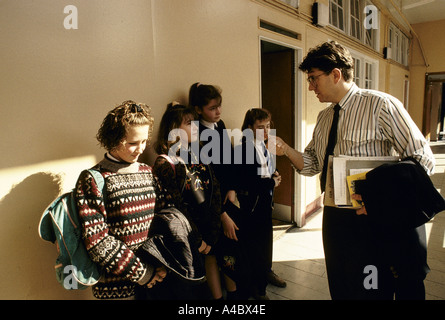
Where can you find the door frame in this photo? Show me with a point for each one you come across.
(299, 207)
(430, 78)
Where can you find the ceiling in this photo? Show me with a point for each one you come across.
(418, 11)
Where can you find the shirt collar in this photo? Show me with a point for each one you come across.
(344, 101)
(259, 143)
(112, 158)
(111, 164)
(207, 124)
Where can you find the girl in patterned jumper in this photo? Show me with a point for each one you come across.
(115, 222)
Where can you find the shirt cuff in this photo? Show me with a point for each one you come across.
(308, 169)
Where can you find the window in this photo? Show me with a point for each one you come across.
(396, 52)
(336, 14)
(356, 18)
(292, 3)
(369, 75)
(285, 32)
(370, 38)
(365, 70)
(404, 51)
(398, 43)
(406, 94)
(370, 34)
(357, 70)
(287, 5)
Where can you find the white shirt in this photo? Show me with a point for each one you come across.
(265, 169)
(207, 124)
(371, 123)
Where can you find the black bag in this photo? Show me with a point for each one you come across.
(172, 243)
(400, 194)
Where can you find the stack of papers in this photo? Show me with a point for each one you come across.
(338, 192)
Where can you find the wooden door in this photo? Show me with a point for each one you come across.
(433, 112)
(278, 96)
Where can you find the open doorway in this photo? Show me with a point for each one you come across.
(434, 107)
(278, 95)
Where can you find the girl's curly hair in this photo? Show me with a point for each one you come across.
(115, 126)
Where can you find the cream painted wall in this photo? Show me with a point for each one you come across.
(56, 86)
(396, 81)
(212, 42)
(312, 108)
(433, 43)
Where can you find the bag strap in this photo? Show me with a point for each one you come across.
(100, 181)
(166, 157)
(172, 163)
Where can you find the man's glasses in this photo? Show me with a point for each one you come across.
(312, 80)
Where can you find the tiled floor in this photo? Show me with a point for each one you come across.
(299, 258)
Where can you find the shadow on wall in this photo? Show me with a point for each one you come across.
(27, 270)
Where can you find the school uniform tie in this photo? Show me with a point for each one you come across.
(268, 163)
(332, 141)
(268, 159)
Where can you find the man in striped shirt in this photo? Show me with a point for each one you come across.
(370, 123)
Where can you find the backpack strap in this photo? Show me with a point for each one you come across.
(166, 157)
(100, 181)
(172, 163)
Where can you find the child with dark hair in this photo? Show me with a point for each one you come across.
(176, 132)
(189, 185)
(257, 179)
(206, 101)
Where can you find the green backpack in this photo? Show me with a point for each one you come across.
(60, 224)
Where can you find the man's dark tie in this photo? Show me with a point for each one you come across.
(330, 148)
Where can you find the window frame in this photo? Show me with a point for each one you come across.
(399, 44)
(290, 3)
(353, 26)
(334, 4)
(366, 71)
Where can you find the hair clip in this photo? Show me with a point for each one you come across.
(137, 107)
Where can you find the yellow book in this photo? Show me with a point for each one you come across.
(351, 186)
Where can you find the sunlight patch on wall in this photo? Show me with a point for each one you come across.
(66, 171)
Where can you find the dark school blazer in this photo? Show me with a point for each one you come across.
(223, 171)
(254, 193)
